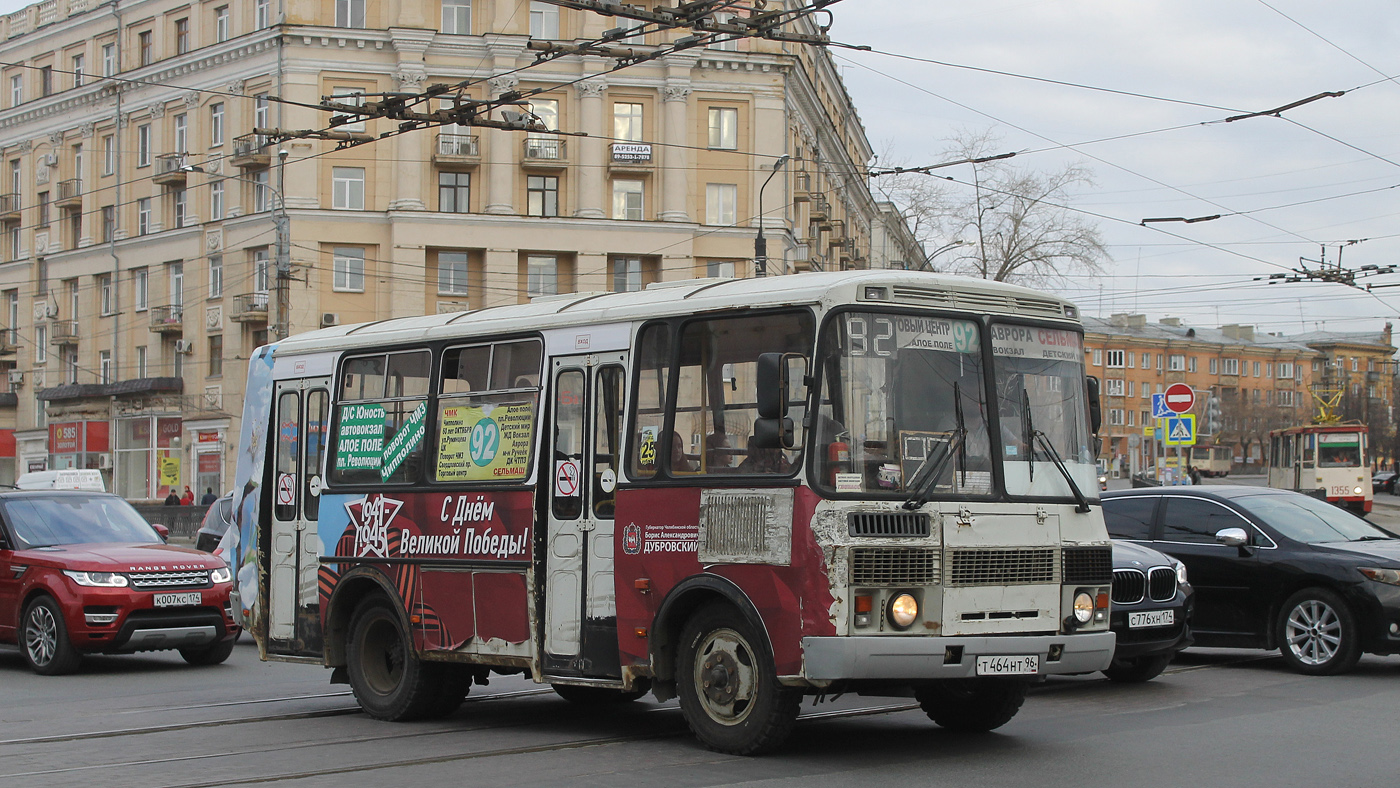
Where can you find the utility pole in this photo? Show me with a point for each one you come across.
(284, 249)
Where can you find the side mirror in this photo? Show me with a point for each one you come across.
(772, 382)
(1232, 537)
(1091, 388)
(773, 433)
(162, 530)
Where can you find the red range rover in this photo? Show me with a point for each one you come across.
(83, 572)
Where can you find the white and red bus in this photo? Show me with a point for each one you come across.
(1211, 460)
(736, 492)
(1326, 457)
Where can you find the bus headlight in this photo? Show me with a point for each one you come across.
(1356, 490)
(903, 611)
(1083, 607)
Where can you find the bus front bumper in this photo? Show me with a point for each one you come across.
(919, 658)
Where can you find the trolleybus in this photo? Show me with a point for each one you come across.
(1326, 457)
(1211, 460)
(734, 492)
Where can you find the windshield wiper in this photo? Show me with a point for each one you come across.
(922, 484)
(1060, 464)
(1028, 432)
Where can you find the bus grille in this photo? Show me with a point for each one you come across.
(894, 566)
(1088, 565)
(149, 580)
(1129, 586)
(1001, 567)
(887, 524)
(1161, 584)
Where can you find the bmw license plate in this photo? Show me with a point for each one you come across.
(1151, 618)
(1027, 665)
(179, 600)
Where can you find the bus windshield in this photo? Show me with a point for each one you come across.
(902, 394)
(1338, 450)
(1042, 410)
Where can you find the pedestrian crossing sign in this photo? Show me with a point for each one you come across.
(1181, 430)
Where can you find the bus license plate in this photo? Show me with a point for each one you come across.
(179, 600)
(1027, 665)
(1151, 618)
(1342, 491)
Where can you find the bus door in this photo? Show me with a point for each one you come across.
(302, 413)
(580, 622)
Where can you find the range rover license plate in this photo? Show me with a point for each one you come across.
(1027, 665)
(179, 600)
(1151, 618)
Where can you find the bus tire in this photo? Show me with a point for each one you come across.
(728, 685)
(972, 705)
(454, 682)
(596, 696)
(389, 681)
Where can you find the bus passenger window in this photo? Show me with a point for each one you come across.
(381, 419)
(363, 378)
(607, 439)
(568, 438)
(649, 405)
(408, 374)
(465, 369)
(516, 365)
(486, 431)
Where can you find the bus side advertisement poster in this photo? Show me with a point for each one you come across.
(485, 442)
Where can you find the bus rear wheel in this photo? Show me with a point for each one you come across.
(728, 685)
(972, 705)
(388, 679)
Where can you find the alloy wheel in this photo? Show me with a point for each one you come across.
(1313, 632)
(41, 635)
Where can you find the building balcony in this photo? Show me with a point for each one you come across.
(249, 308)
(250, 151)
(63, 332)
(9, 341)
(631, 157)
(820, 211)
(545, 153)
(457, 150)
(170, 169)
(801, 187)
(9, 206)
(70, 194)
(168, 319)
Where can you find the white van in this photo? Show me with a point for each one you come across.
(74, 479)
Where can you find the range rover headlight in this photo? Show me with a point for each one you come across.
(97, 579)
(903, 611)
(1083, 607)
(1180, 573)
(220, 575)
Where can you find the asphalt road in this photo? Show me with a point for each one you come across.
(1216, 718)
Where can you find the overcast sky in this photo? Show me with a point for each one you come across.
(1233, 55)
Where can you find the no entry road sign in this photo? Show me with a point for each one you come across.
(1180, 398)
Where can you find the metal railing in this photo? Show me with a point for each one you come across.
(171, 163)
(63, 332)
(250, 306)
(167, 317)
(457, 145)
(544, 148)
(71, 189)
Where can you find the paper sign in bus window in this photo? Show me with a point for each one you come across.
(361, 445)
(484, 442)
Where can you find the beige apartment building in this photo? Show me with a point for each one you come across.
(137, 209)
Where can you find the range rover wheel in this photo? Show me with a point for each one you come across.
(1135, 670)
(728, 685)
(213, 654)
(1317, 633)
(972, 705)
(44, 639)
(389, 681)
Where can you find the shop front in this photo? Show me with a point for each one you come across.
(79, 444)
(150, 457)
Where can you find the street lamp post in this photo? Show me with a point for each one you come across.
(928, 258)
(760, 244)
(282, 223)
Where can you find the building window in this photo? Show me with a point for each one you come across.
(1113, 387)
(143, 216)
(177, 363)
(1257, 366)
(216, 200)
(721, 204)
(1098, 357)
(1115, 359)
(349, 273)
(260, 110)
(723, 269)
(350, 13)
(452, 273)
(354, 97)
(141, 361)
(261, 193)
(1191, 364)
(79, 63)
(1232, 366)
(542, 195)
(628, 274)
(454, 192)
(41, 343)
(221, 24)
(104, 293)
(180, 198)
(109, 60)
(1131, 358)
(1115, 417)
(104, 366)
(627, 122)
(1215, 366)
(43, 209)
(544, 21)
(143, 46)
(348, 188)
(728, 44)
(627, 200)
(1130, 387)
(216, 275)
(1176, 363)
(177, 284)
(1130, 418)
(261, 14)
(109, 223)
(45, 80)
(1285, 370)
(141, 287)
(541, 275)
(216, 355)
(109, 154)
(182, 36)
(724, 128)
(216, 124)
(260, 270)
(457, 17)
(143, 145)
(16, 90)
(1353, 365)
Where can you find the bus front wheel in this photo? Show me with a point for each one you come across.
(972, 705)
(388, 679)
(728, 685)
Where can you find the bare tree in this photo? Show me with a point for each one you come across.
(1010, 226)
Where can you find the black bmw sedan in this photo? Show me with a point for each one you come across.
(1273, 569)
(1151, 611)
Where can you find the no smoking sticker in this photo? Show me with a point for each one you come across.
(286, 489)
(566, 473)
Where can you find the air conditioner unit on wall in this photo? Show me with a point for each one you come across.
(16, 378)
(44, 310)
(184, 346)
(329, 319)
(104, 461)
